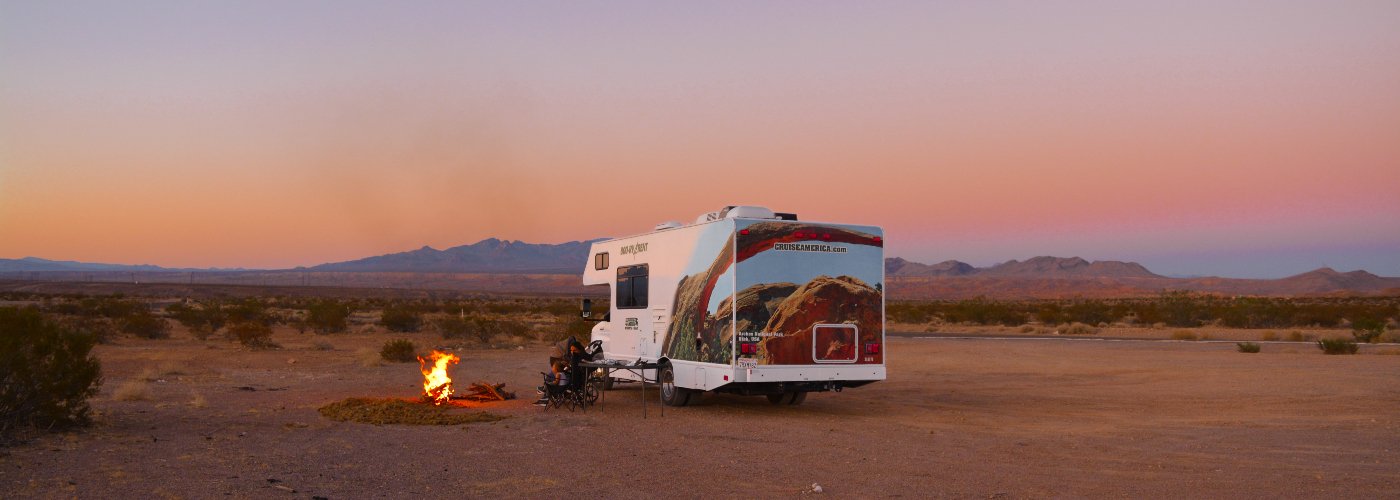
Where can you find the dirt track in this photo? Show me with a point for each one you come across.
(958, 418)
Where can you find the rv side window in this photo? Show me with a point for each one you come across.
(632, 287)
(600, 261)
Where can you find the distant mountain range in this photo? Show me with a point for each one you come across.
(35, 264)
(1037, 267)
(1057, 277)
(486, 256)
(1038, 277)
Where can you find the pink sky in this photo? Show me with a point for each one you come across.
(1227, 138)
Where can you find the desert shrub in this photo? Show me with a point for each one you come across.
(202, 321)
(1367, 330)
(321, 345)
(1027, 329)
(1183, 335)
(1079, 329)
(1295, 336)
(47, 371)
(327, 316)
(142, 323)
(252, 334)
(454, 327)
(1337, 346)
(399, 351)
(101, 329)
(482, 327)
(983, 311)
(137, 389)
(1249, 347)
(249, 310)
(1268, 336)
(569, 326)
(400, 319)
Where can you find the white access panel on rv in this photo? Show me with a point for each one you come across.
(744, 300)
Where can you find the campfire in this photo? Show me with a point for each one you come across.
(437, 385)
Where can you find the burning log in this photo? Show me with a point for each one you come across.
(483, 392)
(437, 385)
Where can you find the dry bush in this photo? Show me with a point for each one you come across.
(253, 335)
(400, 319)
(1027, 329)
(136, 389)
(399, 411)
(367, 357)
(1295, 336)
(1337, 346)
(142, 323)
(1079, 329)
(1183, 335)
(399, 351)
(328, 316)
(1248, 347)
(197, 400)
(321, 345)
(1268, 336)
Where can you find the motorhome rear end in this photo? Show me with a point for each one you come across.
(746, 301)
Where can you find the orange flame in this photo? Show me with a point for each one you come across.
(437, 386)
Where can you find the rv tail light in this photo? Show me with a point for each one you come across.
(872, 348)
(743, 231)
(878, 239)
(826, 236)
(748, 348)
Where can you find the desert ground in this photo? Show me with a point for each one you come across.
(984, 418)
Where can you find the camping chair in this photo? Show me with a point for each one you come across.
(562, 395)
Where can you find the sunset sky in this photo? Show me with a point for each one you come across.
(1242, 139)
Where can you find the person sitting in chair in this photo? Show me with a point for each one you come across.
(560, 372)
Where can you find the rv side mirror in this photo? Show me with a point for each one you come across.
(587, 308)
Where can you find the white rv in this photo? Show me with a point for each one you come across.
(745, 301)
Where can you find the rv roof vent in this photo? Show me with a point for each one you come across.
(670, 224)
(742, 211)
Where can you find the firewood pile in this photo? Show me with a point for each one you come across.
(483, 392)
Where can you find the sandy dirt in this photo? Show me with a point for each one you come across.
(958, 418)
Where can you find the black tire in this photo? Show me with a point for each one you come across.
(798, 397)
(670, 394)
(776, 399)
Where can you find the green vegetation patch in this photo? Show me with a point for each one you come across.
(391, 411)
(399, 351)
(1337, 346)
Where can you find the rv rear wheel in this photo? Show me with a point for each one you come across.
(788, 398)
(670, 394)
